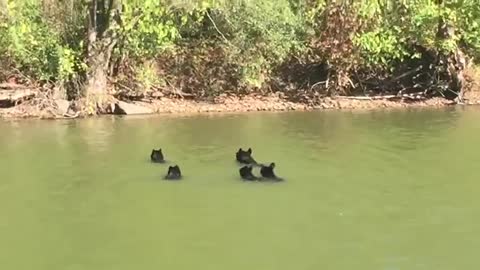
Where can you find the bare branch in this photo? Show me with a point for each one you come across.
(216, 28)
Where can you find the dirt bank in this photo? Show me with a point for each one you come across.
(229, 103)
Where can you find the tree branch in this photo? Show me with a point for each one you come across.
(216, 28)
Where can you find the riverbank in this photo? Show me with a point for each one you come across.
(61, 109)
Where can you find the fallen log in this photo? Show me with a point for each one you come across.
(385, 97)
(10, 98)
(178, 93)
(369, 98)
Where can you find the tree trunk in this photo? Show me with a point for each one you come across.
(101, 41)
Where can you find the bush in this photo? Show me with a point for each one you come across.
(32, 46)
(261, 35)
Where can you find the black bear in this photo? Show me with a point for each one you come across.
(246, 173)
(157, 156)
(245, 157)
(173, 173)
(267, 172)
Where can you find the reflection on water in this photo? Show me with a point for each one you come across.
(365, 190)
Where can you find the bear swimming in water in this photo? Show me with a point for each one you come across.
(246, 173)
(157, 156)
(267, 172)
(245, 157)
(173, 173)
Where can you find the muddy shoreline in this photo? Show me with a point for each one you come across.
(229, 104)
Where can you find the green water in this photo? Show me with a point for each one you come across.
(365, 190)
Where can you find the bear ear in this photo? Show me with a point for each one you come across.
(249, 150)
(240, 149)
(160, 150)
(272, 165)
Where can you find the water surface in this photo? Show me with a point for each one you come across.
(365, 190)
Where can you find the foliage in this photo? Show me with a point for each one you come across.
(467, 14)
(147, 28)
(262, 34)
(35, 48)
(396, 25)
(223, 45)
(29, 42)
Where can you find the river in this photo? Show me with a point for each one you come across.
(384, 190)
